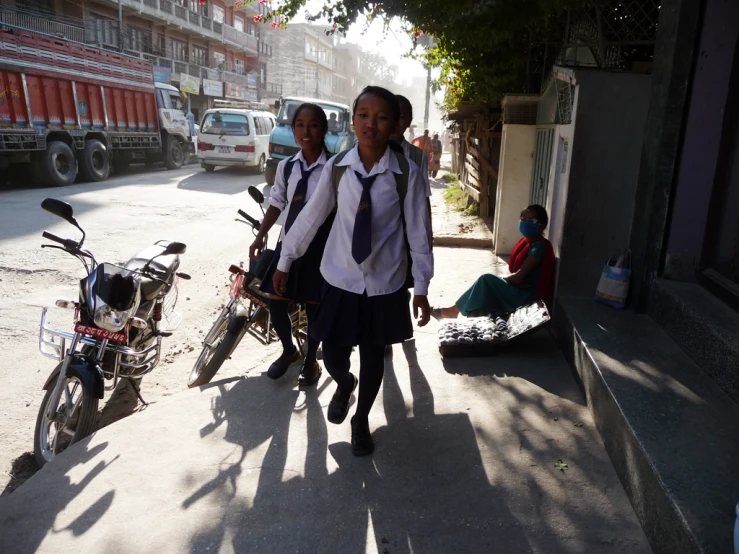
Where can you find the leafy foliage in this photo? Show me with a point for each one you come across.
(484, 48)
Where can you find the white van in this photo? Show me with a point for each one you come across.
(234, 137)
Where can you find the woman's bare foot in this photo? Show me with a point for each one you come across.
(450, 313)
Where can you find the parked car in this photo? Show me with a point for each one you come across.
(282, 143)
(234, 138)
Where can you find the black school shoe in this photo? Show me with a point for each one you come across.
(362, 443)
(339, 405)
(309, 374)
(281, 364)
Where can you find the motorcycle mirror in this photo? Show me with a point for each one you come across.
(174, 248)
(59, 209)
(256, 194)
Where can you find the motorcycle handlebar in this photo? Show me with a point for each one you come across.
(250, 219)
(66, 243)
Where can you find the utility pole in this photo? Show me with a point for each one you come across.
(428, 98)
(120, 24)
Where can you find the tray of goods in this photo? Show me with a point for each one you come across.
(481, 336)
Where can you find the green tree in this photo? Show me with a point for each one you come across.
(484, 48)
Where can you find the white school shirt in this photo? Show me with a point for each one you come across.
(281, 192)
(424, 164)
(384, 270)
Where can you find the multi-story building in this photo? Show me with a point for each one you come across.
(211, 49)
(302, 62)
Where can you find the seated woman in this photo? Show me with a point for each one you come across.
(532, 275)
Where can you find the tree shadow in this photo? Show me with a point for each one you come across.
(29, 521)
(527, 357)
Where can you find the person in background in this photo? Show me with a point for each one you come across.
(411, 151)
(366, 257)
(333, 123)
(436, 151)
(424, 143)
(296, 179)
(532, 275)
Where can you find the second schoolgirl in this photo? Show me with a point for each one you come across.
(295, 182)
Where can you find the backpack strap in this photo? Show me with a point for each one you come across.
(288, 169)
(337, 171)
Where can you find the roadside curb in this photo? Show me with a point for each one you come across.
(463, 242)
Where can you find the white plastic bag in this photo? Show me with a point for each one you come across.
(613, 287)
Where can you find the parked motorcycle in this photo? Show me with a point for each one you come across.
(120, 318)
(245, 312)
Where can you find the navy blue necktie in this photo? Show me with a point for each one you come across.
(362, 236)
(298, 200)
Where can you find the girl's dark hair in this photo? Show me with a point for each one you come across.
(383, 93)
(409, 107)
(541, 213)
(320, 114)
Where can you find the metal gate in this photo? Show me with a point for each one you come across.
(542, 161)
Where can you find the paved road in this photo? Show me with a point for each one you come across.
(121, 216)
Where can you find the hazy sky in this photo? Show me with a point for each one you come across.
(392, 45)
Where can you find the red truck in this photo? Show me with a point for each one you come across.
(72, 111)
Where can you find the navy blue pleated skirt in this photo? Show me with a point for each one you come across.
(305, 283)
(352, 319)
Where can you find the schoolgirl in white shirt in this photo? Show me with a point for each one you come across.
(366, 257)
(295, 182)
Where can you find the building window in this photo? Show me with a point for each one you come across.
(138, 39)
(252, 29)
(197, 7)
(178, 50)
(103, 30)
(262, 75)
(238, 24)
(220, 60)
(161, 46)
(199, 55)
(219, 14)
(239, 64)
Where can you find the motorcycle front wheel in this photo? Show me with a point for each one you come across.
(74, 419)
(212, 357)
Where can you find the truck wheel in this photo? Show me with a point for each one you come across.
(175, 154)
(209, 168)
(94, 162)
(58, 165)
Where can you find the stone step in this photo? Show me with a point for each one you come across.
(671, 432)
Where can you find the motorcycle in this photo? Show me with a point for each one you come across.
(120, 318)
(245, 312)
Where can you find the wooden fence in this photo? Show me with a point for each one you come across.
(476, 156)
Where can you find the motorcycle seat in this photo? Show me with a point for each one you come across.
(162, 267)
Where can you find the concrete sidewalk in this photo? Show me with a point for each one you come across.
(465, 462)
(453, 228)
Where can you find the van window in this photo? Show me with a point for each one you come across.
(259, 125)
(216, 123)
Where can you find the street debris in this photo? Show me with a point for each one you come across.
(560, 465)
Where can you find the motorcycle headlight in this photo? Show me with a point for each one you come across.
(109, 319)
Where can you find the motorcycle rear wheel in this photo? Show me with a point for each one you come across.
(53, 437)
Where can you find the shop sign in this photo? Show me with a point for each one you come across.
(212, 88)
(162, 74)
(189, 84)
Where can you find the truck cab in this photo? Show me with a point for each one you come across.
(282, 142)
(177, 140)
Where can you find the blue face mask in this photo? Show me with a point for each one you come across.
(528, 228)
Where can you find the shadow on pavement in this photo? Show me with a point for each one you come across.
(414, 494)
(229, 180)
(32, 531)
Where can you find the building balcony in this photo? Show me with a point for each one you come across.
(171, 13)
(34, 22)
(241, 39)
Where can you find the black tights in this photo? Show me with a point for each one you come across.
(278, 310)
(371, 370)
